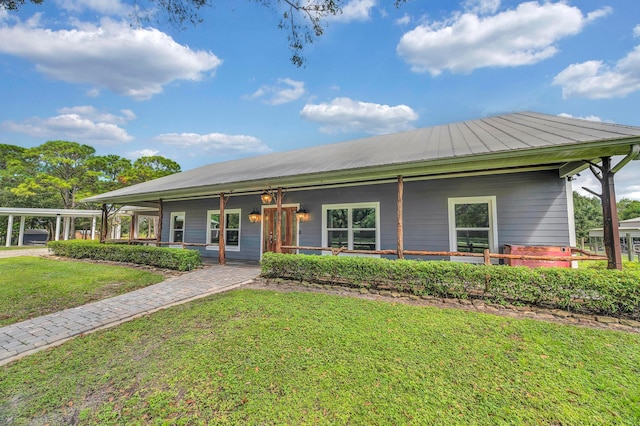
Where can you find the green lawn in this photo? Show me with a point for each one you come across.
(262, 357)
(33, 286)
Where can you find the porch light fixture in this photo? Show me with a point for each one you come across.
(254, 216)
(302, 215)
(266, 197)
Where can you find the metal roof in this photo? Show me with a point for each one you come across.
(35, 212)
(501, 142)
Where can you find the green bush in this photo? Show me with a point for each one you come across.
(179, 259)
(580, 290)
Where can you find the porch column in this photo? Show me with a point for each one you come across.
(630, 247)
(610, 215)
(21, 234)
(66, 228)
(57, 238)
(400, 218)
(93, 228)
(222, 260)
(9, 230)
(279, 221)
(104, 224)
(132, 227)
(159, 228)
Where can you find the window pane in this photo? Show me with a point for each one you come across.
(338, 239)
(233, 221)
(364, 240)
(472, 241)
(178, 221)
(214, 225)
(337, 218)
(177, 236)
(472, 215)
(364, 218)
(233, 237)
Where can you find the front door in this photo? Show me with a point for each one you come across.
(288, 229)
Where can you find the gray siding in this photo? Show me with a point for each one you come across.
(531, 210)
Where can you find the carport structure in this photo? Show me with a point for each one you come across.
(59, 214)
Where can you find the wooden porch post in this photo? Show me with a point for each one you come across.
(279, 221)
(132, 227)
(400, 218)
(103, 224)
(221, 239)
(611, 233)
(159, 229)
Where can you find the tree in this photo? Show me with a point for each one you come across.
(58, 167)
(587, 214)
(304, 20)
(112, 171)
(628, 209)
(148, 168)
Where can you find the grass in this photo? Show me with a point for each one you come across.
(261, 357)
(32, 286)
(4, 248)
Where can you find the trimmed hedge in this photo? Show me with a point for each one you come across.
(169, 258)
(579, 290)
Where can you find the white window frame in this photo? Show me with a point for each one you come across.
(172, 229)
(350, 228)
(493, 225)
(208, 237)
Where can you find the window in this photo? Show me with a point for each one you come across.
(352, 226)
(231, 231)
(472, 225)
(176, 233)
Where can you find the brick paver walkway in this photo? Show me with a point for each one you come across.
(20, 339)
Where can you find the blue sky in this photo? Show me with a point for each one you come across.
(80, 70)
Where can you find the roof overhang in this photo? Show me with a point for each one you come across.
(33, 212)
(568, 159)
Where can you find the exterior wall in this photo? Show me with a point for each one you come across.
(531, 210)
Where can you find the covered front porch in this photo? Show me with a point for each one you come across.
(63, 219)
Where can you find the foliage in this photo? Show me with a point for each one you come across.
(263, 357)
(609, 292)
(179, 259)
(587, 214)
(45, 286)
(148, 168)
(628, 209)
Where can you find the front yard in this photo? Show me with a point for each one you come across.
(263, 357)
(32, 286)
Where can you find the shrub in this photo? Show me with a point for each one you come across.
(581, 290)
(179, 259)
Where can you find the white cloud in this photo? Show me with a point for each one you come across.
(355, 10)
(83, 124)
(287, 90)
(215, 142)
(482, 7)
(588, 117)
(405, 20)
(636, 31)
(103, 7)
(142, 153)
(347, 115)
(135, 62)
(515, 37)
(596, 80)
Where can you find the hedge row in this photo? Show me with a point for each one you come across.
(579, 290)
(179, 259)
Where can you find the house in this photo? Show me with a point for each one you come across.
(459, 187)
(629, 231)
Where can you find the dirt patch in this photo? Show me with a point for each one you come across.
(530, 312)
